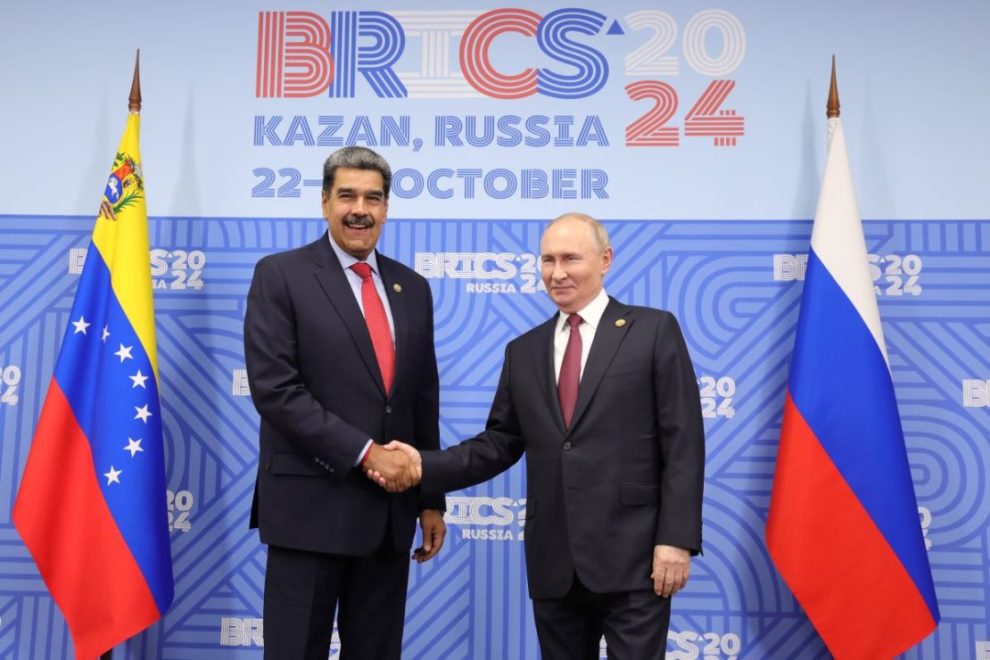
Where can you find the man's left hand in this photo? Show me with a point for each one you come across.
(671, 567)
(434, 531)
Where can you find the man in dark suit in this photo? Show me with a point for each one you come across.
(339, 347)
(603, 400)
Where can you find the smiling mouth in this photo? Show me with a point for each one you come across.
(358, 223)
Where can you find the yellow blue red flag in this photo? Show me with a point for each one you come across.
(91, 504)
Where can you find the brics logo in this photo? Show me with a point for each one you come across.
(10, 379)
(975, 393)
(174, 270)
(237, 631)
(239, 385)
(487, 518)
(250, 631)
(789, 267)
(303, 54)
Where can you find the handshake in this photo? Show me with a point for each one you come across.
(395, 466)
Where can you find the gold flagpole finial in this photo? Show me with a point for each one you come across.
(134, 101)
(832, 108)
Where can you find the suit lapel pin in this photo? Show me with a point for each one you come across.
(620, 322)
(397, 287)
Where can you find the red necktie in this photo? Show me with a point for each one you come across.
(570, 371)
(377, 321)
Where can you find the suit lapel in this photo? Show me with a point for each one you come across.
(542, 346)
(333, 281)
(608, 338)
(395, 291)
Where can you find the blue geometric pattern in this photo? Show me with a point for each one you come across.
(738, 314)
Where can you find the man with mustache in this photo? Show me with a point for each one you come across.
(338, 341)
(602, 399)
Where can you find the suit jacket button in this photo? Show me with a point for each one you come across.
(567, 446)
(388, 410)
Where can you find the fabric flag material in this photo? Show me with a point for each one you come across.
(91, 504)
(844, 529)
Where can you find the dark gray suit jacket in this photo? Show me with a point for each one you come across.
(317, 385)
(626, 476)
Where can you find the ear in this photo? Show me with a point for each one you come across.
(325, 204)
(606, 259)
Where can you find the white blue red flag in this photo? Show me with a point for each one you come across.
(91, 505)
(844, 530)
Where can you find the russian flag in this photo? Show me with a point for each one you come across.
(843, 529)
(91, 505)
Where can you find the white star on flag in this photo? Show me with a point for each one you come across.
(81, 325)
(133, 446)
(124, 353)
(142, 413)
(138, 379)
(106, 333)
(113, 476)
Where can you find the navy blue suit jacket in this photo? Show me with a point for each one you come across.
(316, 382)
(626, 476)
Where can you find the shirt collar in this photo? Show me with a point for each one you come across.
(347, 260)
(590, 313)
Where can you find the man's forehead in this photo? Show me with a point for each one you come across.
(572, 237)
(352, 178)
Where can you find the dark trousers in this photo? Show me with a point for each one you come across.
(634, 624)
(302, 592)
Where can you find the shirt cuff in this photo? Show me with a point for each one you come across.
(363, 454)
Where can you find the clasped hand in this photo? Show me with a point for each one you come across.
(395, 466)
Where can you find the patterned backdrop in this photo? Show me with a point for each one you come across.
(735, 287)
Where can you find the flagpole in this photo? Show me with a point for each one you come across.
(134, 100)
(832, 107)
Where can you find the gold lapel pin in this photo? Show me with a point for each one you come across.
(397, 287)
(620, 322)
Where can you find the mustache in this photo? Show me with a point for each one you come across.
(359, 222)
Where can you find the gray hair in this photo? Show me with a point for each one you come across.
(358, 158)
(597, 229)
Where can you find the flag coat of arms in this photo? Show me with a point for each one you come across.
(91, 504)
(844, 530)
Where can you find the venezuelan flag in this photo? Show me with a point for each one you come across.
(91, 504)
(844, 529)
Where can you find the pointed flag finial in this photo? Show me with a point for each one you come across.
(832, 109)
(134, 101)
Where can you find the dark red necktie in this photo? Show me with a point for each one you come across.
(377, 321)
(570, 371)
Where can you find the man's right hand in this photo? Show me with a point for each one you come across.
(390, 468)
(402, 453)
